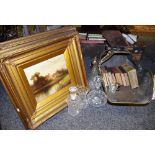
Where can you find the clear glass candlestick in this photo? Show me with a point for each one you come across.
(82, 93)
(73, 102)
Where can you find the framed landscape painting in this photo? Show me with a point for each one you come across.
(37, 72)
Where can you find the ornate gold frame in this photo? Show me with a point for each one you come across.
(24, 52)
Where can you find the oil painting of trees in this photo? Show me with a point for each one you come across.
(48, 77)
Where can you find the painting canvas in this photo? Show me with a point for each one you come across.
(48, 77)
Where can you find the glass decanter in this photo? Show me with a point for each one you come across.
(96, 96)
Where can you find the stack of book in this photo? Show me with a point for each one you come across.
(124, 75)
(91, 38)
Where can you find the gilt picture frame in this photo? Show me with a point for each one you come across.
(38, 70)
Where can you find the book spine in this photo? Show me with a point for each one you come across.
(117, 76)
(123, 79)
(135, 79)
(109, 75)
(96, 39)
(122, 76)
(126, 79)
(110, 78)
(95, 35)
(132, 75)
(125, 76)
(113, 78)
(92, 41)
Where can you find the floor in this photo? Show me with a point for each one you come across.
(104, 118)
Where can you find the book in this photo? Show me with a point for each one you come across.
(92, 41)
(86, 38)
(117, 74)
(112, 76)
(95, 35)
(92, 38)
(125, 76)
(122, 76)
(109, 75)
(132, 74)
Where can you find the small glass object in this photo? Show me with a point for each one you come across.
(97, 98)
(73, 92)
(97, 82)
(82, 93)
(73, 102)
(113, 88)
(95, 69)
